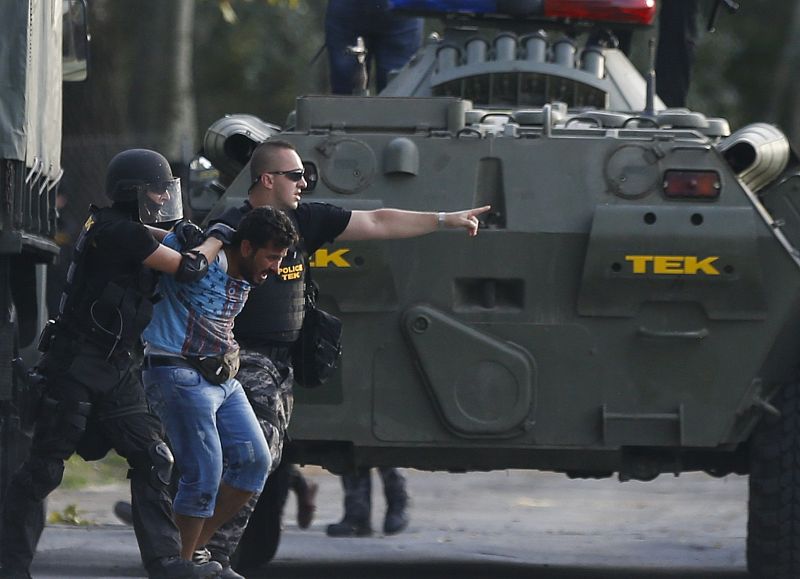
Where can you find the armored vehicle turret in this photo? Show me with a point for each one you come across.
(630, 306)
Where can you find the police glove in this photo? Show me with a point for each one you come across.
(222, 232)
(189, 235)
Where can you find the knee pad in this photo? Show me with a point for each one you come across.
(161, 462)
(155, 464)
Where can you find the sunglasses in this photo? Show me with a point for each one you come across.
(294, 175)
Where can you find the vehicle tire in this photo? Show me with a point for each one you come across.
(773, 525)
(263, 533)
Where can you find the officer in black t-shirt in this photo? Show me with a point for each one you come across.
(93, 398)
(272, 318)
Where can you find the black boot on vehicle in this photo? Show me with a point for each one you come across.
(177, 568)
(349, 528)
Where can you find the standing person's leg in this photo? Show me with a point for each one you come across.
(357, 488)
(187, 406)
(677, 36)
(339, 34)
(246, 455)
(137, 435)
(306, 493)
(394, 488)
(393, 44)
(62, 422)
(263, 382)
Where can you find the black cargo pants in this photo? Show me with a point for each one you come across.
(90, 405)
(357, 488)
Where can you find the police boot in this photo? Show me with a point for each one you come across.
(177, 568)
(306, 494)
(124, 512)
(394, 488)
(204, 555)
(357, 508)
(228, 572)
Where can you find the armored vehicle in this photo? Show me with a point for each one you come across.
(41, 44)
(630, 306)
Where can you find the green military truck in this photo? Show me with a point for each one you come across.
(631, 306)
(41, 44)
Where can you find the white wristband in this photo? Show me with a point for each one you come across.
(440, 219)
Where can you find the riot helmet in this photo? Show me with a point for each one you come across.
(144, 177)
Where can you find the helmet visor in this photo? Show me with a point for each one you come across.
(161, 201)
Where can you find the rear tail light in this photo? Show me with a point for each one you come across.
(631, 12)
(639, 12)
(692, 184)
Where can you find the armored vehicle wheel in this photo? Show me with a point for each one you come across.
(263, 534)
(773, 526)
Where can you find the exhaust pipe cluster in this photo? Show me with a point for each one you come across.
(507, 47)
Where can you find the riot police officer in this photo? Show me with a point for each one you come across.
(93, 398)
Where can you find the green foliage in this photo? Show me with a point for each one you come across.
(734, 73)
(228, 11)
(79, 473)
(262, 63)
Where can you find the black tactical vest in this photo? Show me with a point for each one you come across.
(110, 311)
(274, 310)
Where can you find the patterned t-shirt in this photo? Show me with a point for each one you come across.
(196, 318)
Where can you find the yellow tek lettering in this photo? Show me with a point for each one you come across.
(324, 258)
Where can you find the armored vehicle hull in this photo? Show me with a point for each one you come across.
(629, 307)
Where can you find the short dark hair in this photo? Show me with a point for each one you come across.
(263, 225)
(261, 159)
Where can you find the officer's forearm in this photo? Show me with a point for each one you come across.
(159, 234)
(210, 248)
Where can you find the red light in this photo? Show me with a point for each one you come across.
(639, 12)
(691, 184)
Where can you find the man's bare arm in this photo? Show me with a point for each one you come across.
(167, 260)
(398, 223)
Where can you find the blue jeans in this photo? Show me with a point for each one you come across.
(391, 40)
(207, 425)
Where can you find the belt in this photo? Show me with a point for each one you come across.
(153, 361)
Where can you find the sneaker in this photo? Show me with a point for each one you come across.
(201, 556)
(227, 570)
(177, 568)
(124, 512)
(204, 556)
(346, 528)
(306, 506)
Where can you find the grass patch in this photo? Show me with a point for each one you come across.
(79, 474)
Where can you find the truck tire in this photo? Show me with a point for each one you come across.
(773, 525)
(263, 533)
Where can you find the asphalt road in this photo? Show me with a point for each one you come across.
(506, 524)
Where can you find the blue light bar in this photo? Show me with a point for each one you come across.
(446, 6)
